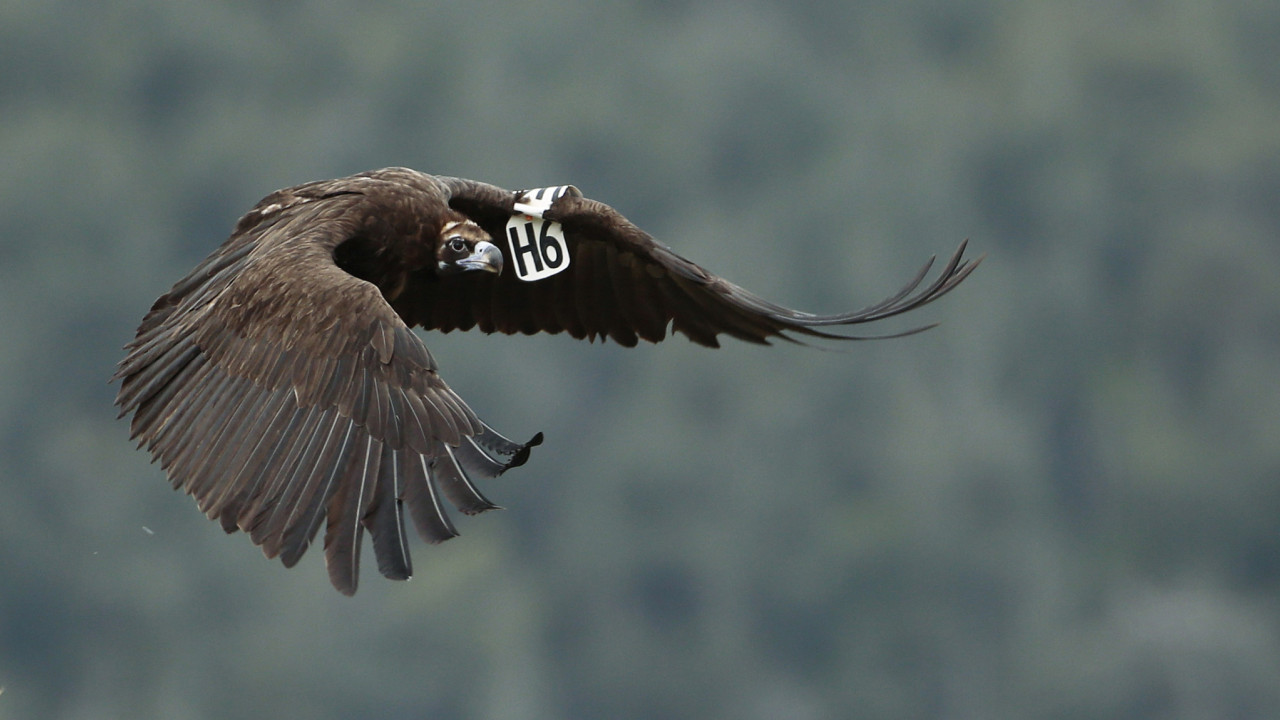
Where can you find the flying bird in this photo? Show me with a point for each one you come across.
(280, 383)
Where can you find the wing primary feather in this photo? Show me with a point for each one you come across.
(397, 414)
(346, 510)
(488, 454)
(139, 387)
(898, 303)
(351, 398)
(337, 457)
(413, 355)
(239, 488)
(543, 313)
(619, 295)
(180, 436)
(429, 516)
(475, 462)
(497, 315)
(442, 416)
(171, 421)
(340, 376)
(263, 468)
(271, 371)
(419, 424)
(312, 381)
(686, 315)
(241, 434)
(388, 425)
(642, 305)
(516, 454)
(730, 318)
(583, 293)
(385, 520)
(265, 527)
(294, 493)
(456, 486)
(299, 439)
(376, 417)
(157, 411)
(563, 297)
(225, 426)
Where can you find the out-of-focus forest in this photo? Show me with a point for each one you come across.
(1063, 502)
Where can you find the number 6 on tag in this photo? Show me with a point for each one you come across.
(537, 245)
(541, 252)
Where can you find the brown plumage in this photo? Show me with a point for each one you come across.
(280, 385)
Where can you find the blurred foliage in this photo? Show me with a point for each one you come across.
(1062, 503)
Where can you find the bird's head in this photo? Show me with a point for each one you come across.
(464, 246)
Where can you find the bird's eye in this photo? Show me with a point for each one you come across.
(457, 244)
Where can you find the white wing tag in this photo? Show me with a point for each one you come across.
(538, 249)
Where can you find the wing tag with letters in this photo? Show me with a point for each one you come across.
(537, 245)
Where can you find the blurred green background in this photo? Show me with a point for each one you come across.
(1064, 502)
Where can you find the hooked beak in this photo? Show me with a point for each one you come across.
(486, 256)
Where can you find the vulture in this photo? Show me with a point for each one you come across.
(281, 385)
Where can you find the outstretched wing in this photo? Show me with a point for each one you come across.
(622, 284)
(280, 391)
